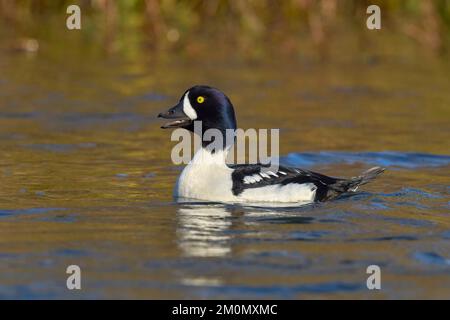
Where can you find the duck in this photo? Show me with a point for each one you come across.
(208, 176)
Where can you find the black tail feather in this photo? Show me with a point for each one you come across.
(353, 183)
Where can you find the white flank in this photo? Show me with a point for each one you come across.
(292, 192)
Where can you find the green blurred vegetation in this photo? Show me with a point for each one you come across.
(251, 26)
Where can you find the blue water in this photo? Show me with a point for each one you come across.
(389, 159)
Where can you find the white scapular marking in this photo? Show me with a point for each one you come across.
(273, 174)
(187, 107)
(252, 179)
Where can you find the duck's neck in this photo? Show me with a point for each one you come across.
(206, 156)
(214, 135)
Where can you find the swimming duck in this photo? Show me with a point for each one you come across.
(208, 176)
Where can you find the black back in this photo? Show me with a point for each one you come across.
(283, 176)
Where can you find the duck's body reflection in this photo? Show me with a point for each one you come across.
(209, 230)
(204, 229)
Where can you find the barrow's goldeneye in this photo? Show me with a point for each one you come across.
(209, 177)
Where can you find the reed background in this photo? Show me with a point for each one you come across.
(249, 28)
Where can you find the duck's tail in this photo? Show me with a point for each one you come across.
(352, 184)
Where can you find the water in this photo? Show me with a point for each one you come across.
(86, 179)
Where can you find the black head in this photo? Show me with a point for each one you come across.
(201, 103)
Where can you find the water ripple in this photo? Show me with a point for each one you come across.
(15, 212)
(386, 159)
(286, 291)
(431, 258)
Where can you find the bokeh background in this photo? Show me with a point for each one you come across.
(247, 28)
(86, 176)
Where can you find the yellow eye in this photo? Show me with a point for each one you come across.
(200, 99)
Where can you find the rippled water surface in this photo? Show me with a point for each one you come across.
(86, 179)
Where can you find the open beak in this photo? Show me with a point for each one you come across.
(179, 118)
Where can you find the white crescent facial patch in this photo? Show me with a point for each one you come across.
(187, 107)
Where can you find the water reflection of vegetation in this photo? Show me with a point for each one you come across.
(191, 26)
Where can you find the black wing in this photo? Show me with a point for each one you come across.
(247, 176)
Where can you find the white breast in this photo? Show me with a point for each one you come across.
(206, 177)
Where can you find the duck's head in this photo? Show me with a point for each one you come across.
(201, 103)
